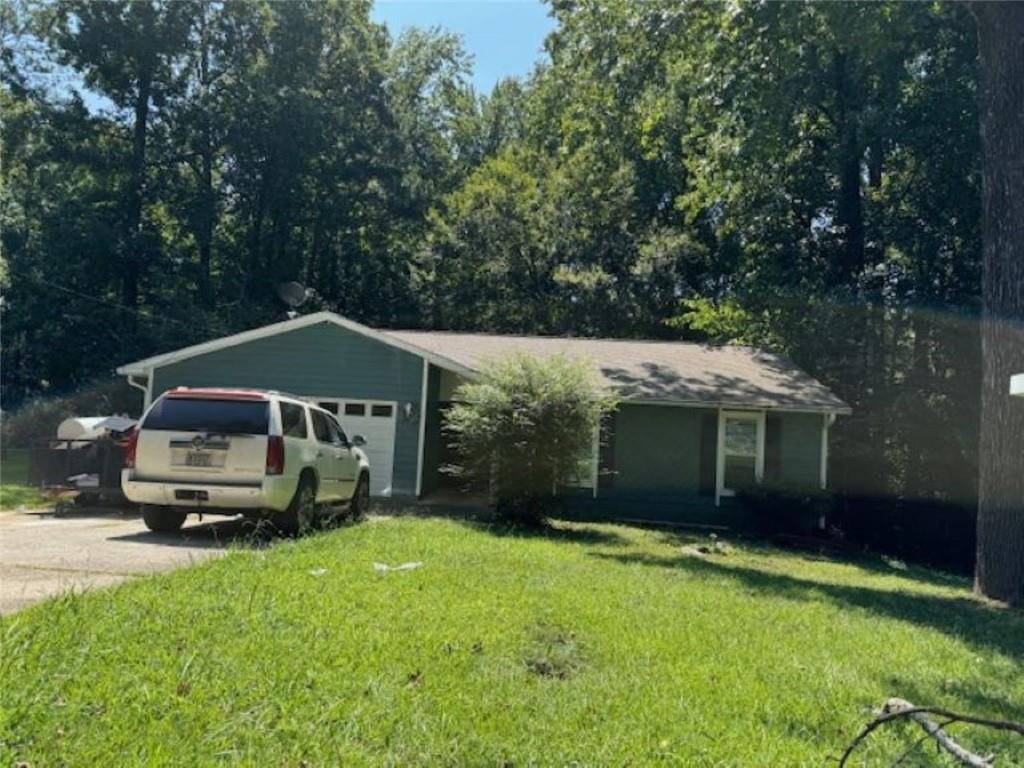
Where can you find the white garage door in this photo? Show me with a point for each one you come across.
(375, 420)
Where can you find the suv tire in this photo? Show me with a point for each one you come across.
(163, 519)
(361, 498)
(301, 512)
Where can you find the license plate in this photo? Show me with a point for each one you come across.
(196, 459)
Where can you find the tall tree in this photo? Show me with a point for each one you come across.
(1000, 561)
(127, 51)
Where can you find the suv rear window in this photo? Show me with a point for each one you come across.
(222, 417)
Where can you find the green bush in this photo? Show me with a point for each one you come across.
(38, 419)
(525, 429)
(796, 510)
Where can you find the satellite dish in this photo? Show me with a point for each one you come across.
(292, 294)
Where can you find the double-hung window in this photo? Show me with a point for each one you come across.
(740, 450)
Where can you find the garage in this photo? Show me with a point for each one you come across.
(373, 383)
(374, 420)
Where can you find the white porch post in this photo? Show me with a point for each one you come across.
(423, 428)
(720, 458)
(826, 421)
(762, 424)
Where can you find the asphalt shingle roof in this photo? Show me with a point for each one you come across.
(652, 371)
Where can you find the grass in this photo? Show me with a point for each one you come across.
(596, 645)
(15, 492)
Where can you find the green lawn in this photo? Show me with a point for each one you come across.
(601, 645)
(15, 492)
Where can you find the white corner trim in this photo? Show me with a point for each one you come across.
(827, 420)
(720, 458)
(423, 428)
(140, 366)
(762, 429)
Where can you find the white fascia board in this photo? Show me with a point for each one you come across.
(140, 367)
(223, 342)
(752, 406)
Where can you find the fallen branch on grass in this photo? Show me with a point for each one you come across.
(895, 709)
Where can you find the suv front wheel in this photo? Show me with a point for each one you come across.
(163, 519)
(361, 498)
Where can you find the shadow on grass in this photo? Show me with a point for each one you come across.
(825, 552)
(550, 531)
(482, 518)
(963, 617)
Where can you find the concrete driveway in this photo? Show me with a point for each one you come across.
(42, 555)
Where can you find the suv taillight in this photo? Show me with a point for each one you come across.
(275, 455)
(130, 448)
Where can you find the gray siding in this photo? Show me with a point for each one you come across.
(800, 454)
(655, 469)
(657, 449)
(320, 360)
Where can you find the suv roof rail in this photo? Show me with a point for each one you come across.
(311, 399)
(293, 396)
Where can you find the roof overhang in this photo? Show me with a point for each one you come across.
(146, 366)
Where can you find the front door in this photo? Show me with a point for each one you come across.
(740, 450)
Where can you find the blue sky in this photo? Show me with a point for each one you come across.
(505, 37)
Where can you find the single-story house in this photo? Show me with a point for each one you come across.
(695, 422)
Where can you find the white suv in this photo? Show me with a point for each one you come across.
(223, 451)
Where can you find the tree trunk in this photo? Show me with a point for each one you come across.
(850, 204)
(256, 238)
(208, 200)
(919, 427)
(999, 572)
(205, 233)
(136, 191)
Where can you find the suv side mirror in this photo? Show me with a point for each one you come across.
(358, 441)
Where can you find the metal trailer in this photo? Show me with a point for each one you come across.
(97, 462)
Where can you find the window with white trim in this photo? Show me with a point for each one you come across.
(742, 451)
(585, 475)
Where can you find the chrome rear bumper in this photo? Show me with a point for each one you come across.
(273, 493)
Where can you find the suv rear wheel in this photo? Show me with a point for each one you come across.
(163, 519)
(301, 513)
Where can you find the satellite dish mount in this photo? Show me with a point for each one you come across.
(293, 295)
